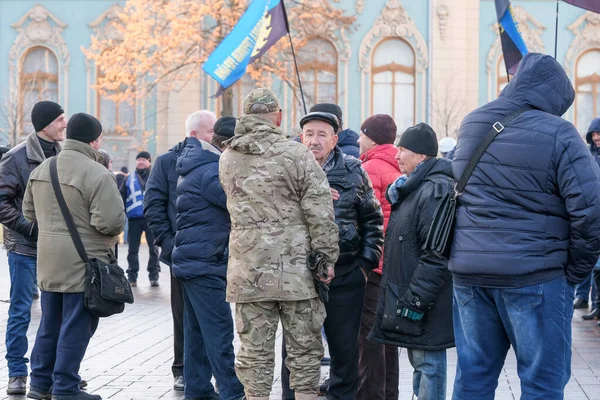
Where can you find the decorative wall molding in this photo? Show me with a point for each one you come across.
(586, 29)
(324, 27)
(393, 22)
(360, 6)
(443, 12)
(531, 31)
(106, 25)
(39, 27)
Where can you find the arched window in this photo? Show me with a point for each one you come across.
(393, 82)
(587, 85)
(38, 81)
(114, 116)
(501, 80)
(317, 64)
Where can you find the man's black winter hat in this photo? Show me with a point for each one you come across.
(420, 139)
(331, 119)
(328, 108)
(84, 128)
(225, 126)
(144, 154)
(43, 113)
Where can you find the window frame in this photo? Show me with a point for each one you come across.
(593, 80)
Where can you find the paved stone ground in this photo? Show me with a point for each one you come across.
(131, 354)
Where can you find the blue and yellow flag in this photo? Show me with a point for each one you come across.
(513, 46)
(261, 26)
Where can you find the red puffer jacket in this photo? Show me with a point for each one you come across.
(383, 169)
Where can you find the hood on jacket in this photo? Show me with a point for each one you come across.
(348, 142)
(254, 135)
(542, 83)
(594, 127)
(196, 154)
(383, 152)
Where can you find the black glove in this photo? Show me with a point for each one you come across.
(316, 262)
(412, 307)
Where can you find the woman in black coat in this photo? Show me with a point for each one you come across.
(415, 304)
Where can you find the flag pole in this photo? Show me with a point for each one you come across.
(500, 37)
(287, 26)
(556, 31)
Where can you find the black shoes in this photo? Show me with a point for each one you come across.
(154, 283)
(179, 383)
(580, 303)
(38, 394)
(595, 314)
(78, 396)
(17, 385)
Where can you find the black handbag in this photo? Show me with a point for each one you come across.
(441, 232)
(106, 288)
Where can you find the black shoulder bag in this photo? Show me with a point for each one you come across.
(441, 232)
(106, 288)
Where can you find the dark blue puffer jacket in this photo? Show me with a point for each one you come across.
(202, 238)
(594, 127)
(531, 210)
(348, 142)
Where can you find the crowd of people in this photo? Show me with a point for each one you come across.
(326, 236)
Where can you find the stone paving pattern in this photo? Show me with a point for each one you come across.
(130, 356)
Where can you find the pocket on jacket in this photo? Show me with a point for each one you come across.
(524, 298)
(391, 321)
(349, 238)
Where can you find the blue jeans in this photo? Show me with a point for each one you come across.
(535, 320)
(65, 331)
(22, 278)
(582, 291)
(429, 375)
(208, 339)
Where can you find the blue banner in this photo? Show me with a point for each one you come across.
(261, 26)
(513, 46)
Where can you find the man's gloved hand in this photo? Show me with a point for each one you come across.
(412, 307)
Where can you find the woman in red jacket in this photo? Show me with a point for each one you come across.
(378, 364)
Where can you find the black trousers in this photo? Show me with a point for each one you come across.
(596, 277)
(342, 325)
(137, 226)
(377, 363)
(177, 311)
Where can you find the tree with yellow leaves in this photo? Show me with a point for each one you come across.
(167, 41)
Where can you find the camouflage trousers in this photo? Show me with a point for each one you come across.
(256, 324)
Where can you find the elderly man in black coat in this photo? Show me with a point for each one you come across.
(415, 304)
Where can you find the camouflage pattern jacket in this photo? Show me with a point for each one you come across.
(280, 205)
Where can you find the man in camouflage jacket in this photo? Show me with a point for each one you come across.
(281, 210)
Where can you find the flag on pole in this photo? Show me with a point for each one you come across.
(592, 5)
(259, 28)
(513, 46)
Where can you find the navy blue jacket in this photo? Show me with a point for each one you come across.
(531, 209)
(348, 142)
(202, 238)
(159, 201)
(594, 127)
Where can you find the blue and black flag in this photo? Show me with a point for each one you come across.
(261, 26)
(513, 46)
(592, 5)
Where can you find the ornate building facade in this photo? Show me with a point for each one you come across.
(429, 60)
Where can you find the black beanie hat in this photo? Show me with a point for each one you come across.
(43, 113)
(225, 126)
(328, 108)
(143, 154)
(420, 139)
(380, 128)
(331, 119)
(84, 128)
